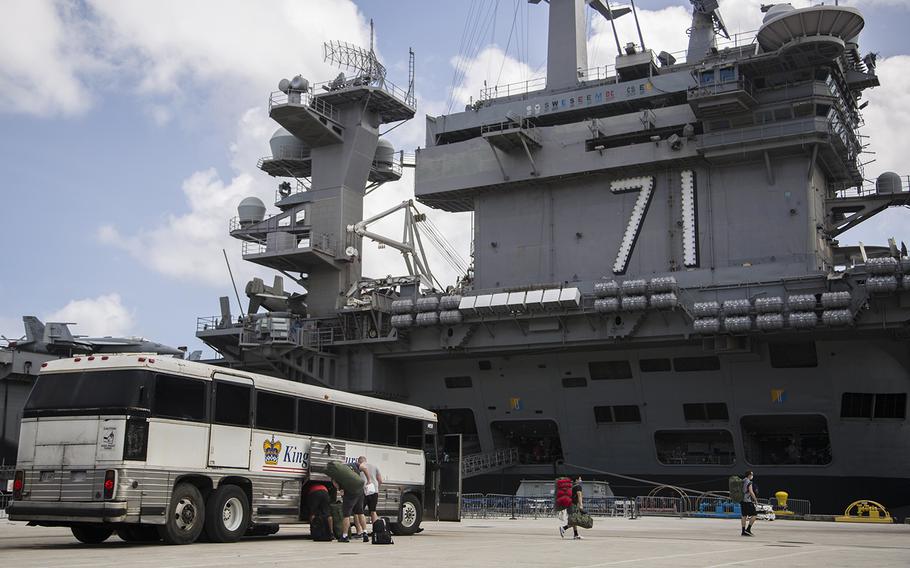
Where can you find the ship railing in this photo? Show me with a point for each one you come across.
(600, 73)
(317, 339)
(252, 247)
(843, 191)
(300, 187)
(322, 242)
(208, 323)
(477, 464)
(376, 82)
(307, 99)
(722, 88)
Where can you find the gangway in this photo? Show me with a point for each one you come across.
(479, 464)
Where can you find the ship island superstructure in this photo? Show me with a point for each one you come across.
(657, 287)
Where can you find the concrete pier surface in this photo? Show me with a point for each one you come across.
(653, 542)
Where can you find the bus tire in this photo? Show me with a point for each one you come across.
(138, 533)
(185, 516)
(91, 534)
(409, 516)
(227, 514)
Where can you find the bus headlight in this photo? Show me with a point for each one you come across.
(135, 442)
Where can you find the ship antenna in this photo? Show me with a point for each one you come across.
(231, 273)
(641, 38)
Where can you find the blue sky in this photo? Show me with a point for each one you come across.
(130, 130)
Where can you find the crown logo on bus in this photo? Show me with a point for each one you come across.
(272, 449)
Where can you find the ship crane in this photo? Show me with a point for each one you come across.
(410, 245)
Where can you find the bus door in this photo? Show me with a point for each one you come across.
(450, 478)
(231, 430)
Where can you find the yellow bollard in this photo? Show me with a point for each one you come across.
(782, 497)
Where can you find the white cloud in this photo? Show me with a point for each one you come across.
(104, 315)
(187, 246)
(491, 66)
(40, 60)
(11, 328)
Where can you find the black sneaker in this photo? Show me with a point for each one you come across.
(366, 538)
(344, 539)
(749, 532)
(746, 533)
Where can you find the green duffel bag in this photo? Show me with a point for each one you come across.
(344, 476)
(577, 518)
(337, 517)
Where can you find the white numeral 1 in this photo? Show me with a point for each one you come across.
(689, 219)
(645, 186)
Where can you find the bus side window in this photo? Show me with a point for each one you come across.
(275, 411)
(176, 397)
(350, 424)
(314, 418)
(232, 404)
(410, 433)
(381, 429)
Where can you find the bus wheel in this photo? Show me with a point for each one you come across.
(409, 516)
(139, 533)
(185, 516)
(227, 514)
(91, 534)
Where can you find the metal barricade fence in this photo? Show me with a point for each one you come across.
(5, 499)
(480, 506)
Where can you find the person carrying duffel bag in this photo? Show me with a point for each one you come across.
(577, 516)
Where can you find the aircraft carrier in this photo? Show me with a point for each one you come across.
(656, 286)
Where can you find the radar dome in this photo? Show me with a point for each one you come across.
(385, 152)
(251, 210)
(777, 10)
(287, 146)
(888, 182)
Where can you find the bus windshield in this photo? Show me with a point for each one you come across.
(109, 389)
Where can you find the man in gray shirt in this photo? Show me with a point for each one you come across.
(748, 504)
(372, 477)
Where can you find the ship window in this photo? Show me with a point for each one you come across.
(176, 397)
(727, 74)
(275, 411)
(484, 365)
(314, 418)
(300, 216)
(285, 221)
(460, 421)
(458, 382)
(707, 77)
(574, 382)
(537, 441)
(654, 365)
(692, 364)
(793, 355)
(618, 413)
(626, 413)
(694, 447)
(786, 439)
(303, 242)
(609, 370)
(891, 405)
(603, 414)
(350, 423)
(763, 116)
(232, 404)
(410, 433)
(868, 405)
(722, 124)
(705, 411)
(381, 429)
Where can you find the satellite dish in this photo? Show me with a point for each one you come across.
(351, 251)
(284, 85)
